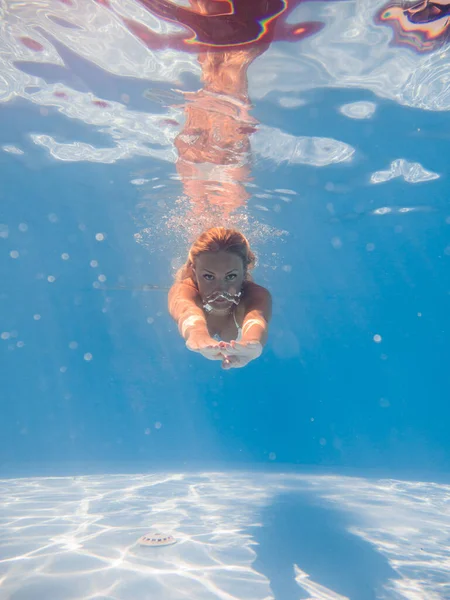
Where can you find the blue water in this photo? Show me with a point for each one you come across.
(354, 381)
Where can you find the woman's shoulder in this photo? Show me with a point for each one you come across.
(181, 292)
(252, 289)
(184, 287)
(256, 297)
(188, 281)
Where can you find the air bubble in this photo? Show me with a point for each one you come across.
(87, 356)
(14, 254)
(377, 338)
(99, 237)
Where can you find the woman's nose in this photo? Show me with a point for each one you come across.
(230, 288)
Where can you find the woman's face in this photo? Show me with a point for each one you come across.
(217, 272)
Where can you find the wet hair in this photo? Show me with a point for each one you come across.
(218, 239)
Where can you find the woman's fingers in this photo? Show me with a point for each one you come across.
(233, 355)
(225, 346)
(226, 363)
(230, 362)
(235, 362)
(240, 354)
(211, 353)
(253, 349)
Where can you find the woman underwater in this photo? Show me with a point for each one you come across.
(220, 312)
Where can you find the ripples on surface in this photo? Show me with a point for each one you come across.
(56, 67)
(53, 57)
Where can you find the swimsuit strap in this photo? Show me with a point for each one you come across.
(239, 330)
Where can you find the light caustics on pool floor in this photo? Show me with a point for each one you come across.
(76, 537)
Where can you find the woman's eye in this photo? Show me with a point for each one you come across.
(208, 277)
(232, 276)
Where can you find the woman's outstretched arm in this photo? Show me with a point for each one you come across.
(184, 309)
(191, 321)
(258, 311)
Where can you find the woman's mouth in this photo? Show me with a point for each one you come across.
(220, 300)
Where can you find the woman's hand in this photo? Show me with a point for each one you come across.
(238, 354)
(204, 344)
(234, 355)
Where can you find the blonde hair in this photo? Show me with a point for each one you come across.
(218, 239)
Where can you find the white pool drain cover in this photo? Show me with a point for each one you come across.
(157, 539)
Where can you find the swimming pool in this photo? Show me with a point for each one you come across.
(319, 130)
